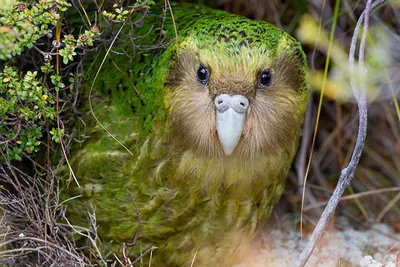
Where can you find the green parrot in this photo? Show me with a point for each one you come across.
(208, 125)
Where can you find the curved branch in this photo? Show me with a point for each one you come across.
(347, 173)
(14, 137)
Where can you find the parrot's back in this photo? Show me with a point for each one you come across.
(134, 160)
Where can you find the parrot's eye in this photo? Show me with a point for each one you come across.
(264, 79)
(203, 74)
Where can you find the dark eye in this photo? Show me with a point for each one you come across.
(264, 79)
(203, 74)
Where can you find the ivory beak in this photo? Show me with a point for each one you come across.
(231, 112)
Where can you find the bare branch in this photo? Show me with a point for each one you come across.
(347, 173)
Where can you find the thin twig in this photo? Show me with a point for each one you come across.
(194, 258)
(84, 11)
(333, 27)
(355, 196)
(347, 174)
(41, 241)
(173, 20)
(60, 136)
(151, 249)
(92, 86)
(126, 77)
(387, 208)
(14, 137)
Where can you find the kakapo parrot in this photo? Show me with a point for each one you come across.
(208, 124)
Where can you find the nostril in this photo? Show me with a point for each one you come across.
(242, 104)
(220, 102)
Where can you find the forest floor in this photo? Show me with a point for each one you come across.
(377, 246)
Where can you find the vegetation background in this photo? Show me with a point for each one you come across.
(43, 44)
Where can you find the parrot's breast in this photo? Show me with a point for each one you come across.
(189, 204)
(211, 207)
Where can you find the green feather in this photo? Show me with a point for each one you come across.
(189, 202)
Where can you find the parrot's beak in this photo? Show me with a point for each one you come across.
(231, 111)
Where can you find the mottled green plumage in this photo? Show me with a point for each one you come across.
(192, 197)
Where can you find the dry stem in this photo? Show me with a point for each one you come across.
(347, 173)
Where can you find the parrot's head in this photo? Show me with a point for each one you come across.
(235, 87)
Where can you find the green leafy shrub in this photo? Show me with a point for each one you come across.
(29, 90)
(25, 105)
